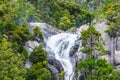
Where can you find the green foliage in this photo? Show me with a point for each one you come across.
(64, 14)
(101, 70)
(56, 11)
(91, 30)
(61, 75)
(97, 43)
(110, 11)
(18, 37)
(72, 29)
(18, 11)
(92, 67)
(38, 55)
(10, 18)
(13, 18)
(24, 53)
(21, 34)
(112, 30)
(25, 12)
(64, 23)
(11, 64)
(38, 72)
(116, 74)
(37, 33)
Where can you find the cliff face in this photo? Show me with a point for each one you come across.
(109, 42)
(111, 45)
(101, 27)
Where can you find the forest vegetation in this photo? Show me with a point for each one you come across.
(66, 15)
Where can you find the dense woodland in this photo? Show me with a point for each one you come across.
(62, 14)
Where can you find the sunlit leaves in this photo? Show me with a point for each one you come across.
(11, 64)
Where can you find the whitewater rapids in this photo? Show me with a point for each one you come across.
(60, 46)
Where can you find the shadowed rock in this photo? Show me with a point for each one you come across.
(52, 61)
(54, 72)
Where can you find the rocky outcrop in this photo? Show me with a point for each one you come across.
(30, 45)
(48, 30)
(83, 27)
(52, 61)
(54, 72)
(110, 58)
(28, 64)
(75, 47)
(109, 43)
(75, 53)
(102, 27)
(117, 57)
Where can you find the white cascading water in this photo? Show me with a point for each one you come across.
(60, 46)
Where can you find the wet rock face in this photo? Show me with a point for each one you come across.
(52, 61)
(75, 47)
(54, 72)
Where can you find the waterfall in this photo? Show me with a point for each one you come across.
(60, 45)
